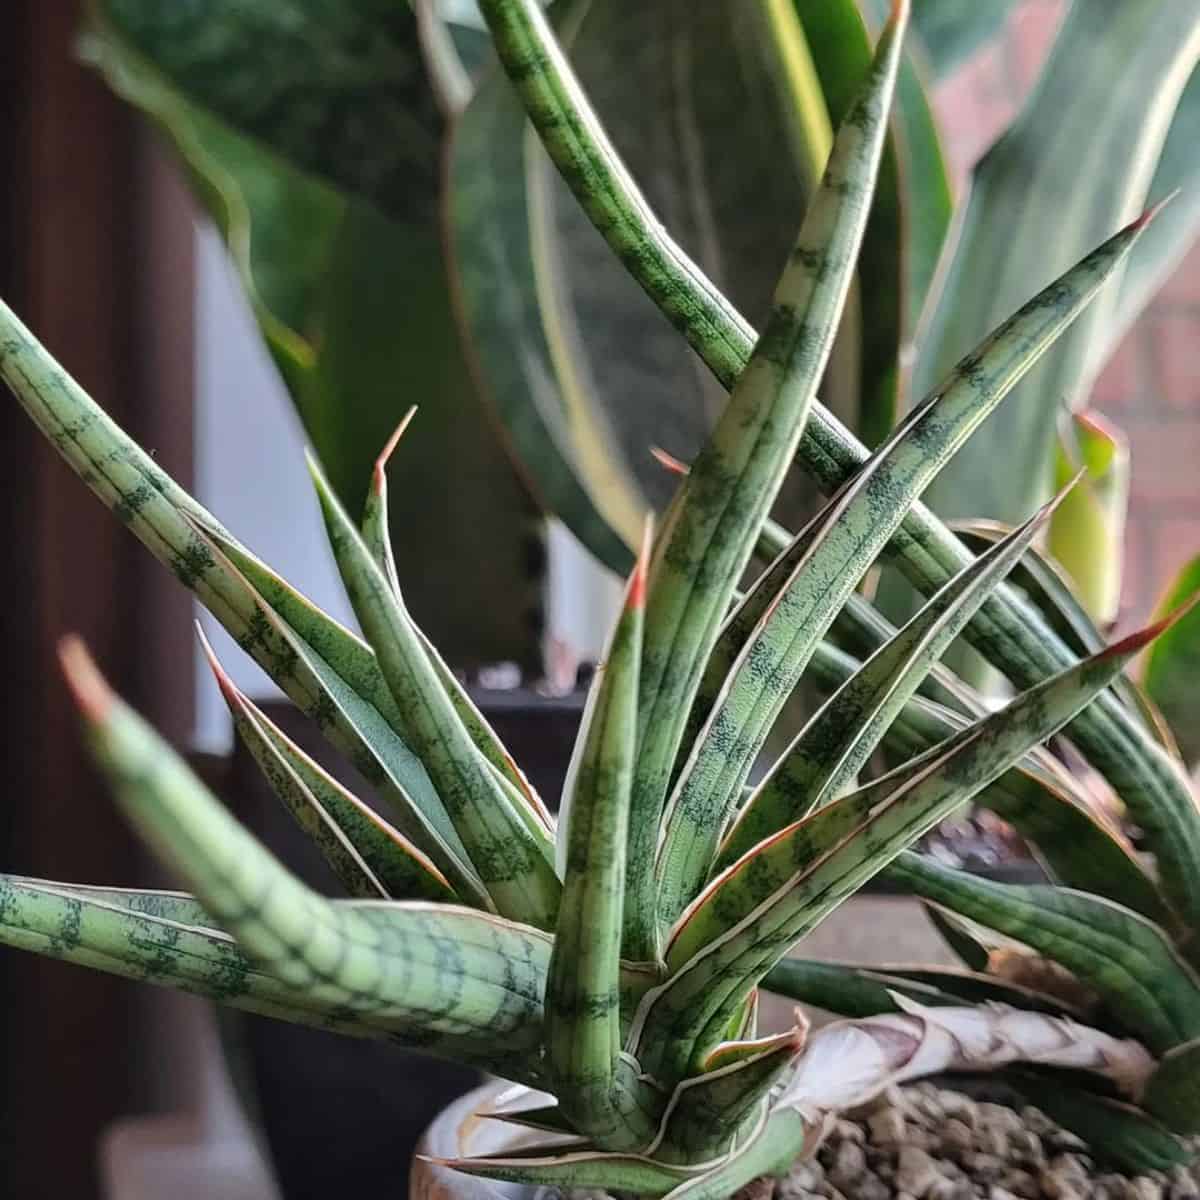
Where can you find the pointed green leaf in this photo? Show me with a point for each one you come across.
(1128, 960)
(573, 1169)
(1008, 631)
(1117, 1133)
(750, 915)
(844, 541)
(708, 535)
(1087, 535)
(352, 720)
(372, 860)
(462, 983)
(323, 668)
(512, 862)
(1047, 587)
(910, 213)
(1173, 1092)
(596, 1087)
(826, 757)
(377, 536)
(708, 1112)
(851, 990)
(1076, 843)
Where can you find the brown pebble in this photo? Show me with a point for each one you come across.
(957, 1136)
(871, 1187)
(1143, 1188)
(985, 1167)
(960, 1107)
(1022, 1183)
(762, 1188)
(887, 1127)
(916, 1172)
(848, 1131)
(849, 1163)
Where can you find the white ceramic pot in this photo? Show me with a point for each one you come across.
(460, 1132)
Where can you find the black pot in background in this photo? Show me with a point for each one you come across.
(341, 1117)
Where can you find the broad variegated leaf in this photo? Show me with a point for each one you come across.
(1007, 630)
(1127, 959)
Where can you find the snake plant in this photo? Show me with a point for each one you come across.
(612, 956)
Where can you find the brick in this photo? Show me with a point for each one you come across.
(1176, 360)
(974, 106)
(1165, 458)
(1137, 596)
(1176, 542)
(1183, 287)
(1123, 383)
(1031, 34)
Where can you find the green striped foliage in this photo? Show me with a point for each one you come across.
(613, 958)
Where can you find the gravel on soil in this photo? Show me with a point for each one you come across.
(926, 1143)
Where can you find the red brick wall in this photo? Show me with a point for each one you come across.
(1151, 387)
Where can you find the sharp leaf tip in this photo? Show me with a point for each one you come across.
(90, 689)
(1148, 216)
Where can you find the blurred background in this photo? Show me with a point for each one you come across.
(107, 258)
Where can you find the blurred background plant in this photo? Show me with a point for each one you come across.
(349, 175)
(375, 179)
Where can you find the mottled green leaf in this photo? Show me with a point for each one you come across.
(596, 1086)
(1127, 959)
(1171, 672)
(1087, 534)
(1106, 96)
(844, 541)
(1007, 630)
(710, 531)
(750, 915)
(827, 755)
(910, 213)
(462, 983)
(372, 860)
(512, 857)
(1046, 586)
(1173, 1091)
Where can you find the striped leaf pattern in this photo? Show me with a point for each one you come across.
(1008, 630)
(615, 957)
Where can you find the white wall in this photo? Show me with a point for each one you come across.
(249, 471)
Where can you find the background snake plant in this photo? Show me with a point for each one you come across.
(612, 957)
(316, 134)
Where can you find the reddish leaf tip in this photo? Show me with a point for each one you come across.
(390, 446)
(1134, 642)
(674, 465)
(1063, 492)
(229, 689)
(641, 569)
(90, 689)
(1152, 212)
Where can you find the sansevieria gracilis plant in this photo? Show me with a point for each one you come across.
(613, 957)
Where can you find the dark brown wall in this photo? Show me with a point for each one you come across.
(95, 246)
